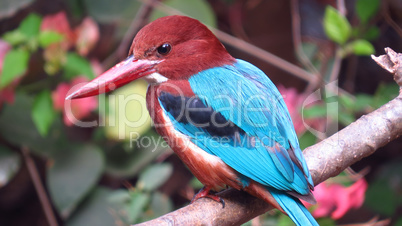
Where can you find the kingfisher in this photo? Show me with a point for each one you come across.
(222, 116)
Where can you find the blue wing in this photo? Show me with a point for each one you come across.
(242, 106)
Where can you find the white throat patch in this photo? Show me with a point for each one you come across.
(155, 78)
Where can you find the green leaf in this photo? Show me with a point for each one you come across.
(309, 50)
(307, 139)
(128, 161)
(383, 194)
(195, 183)
(15, 37)
(119, 196)
(326, 221)
(49, 37)
(346, 118)
(284, 221)
(160, 204)
(154, 176)
(95, 210)
(385, 203)
(18, 128)
(346, 101)
(360, 47)
(315, 111)
(10, 163)
(72, 176)
(197, 9)
(363, 101)
(336, 26)
(384, 93)
(136, 206)
(398, 222)
(120, 13)
(77, 9)
(14, 66)
(366, 9)
(30, 25)
(77, 65)
(43, 113)
(372, 33)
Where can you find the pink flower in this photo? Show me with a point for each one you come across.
(73, 110)
(97, 67)
(87, 36)
(4, 48)
(59, 23)
(55, 53)
(294, 102)
(336, 200)
(84, 37)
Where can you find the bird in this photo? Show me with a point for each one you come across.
(222, 116)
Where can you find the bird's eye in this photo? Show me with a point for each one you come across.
(164, 49)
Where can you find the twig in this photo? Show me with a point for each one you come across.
(350, 76)
(337, 58)
(122, 49)
(336, 66)
(253, 50)
(389, 20)
(392, 62)
(325, 159)
(248, 48)
(297, 40)
(340, 4)
(40, 190)
(264, 55)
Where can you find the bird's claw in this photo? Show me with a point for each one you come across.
(205, 192)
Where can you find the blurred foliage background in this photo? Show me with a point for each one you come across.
(100, 162)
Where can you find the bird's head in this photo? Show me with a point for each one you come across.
(170, 48)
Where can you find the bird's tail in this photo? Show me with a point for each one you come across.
(294, 208)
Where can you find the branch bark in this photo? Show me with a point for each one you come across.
(325, 159)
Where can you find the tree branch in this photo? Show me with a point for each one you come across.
(325, 159)
(247, 47)
(40, 189)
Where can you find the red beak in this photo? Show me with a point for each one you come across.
(122, 73)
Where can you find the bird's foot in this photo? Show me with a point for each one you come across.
(206, 192)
